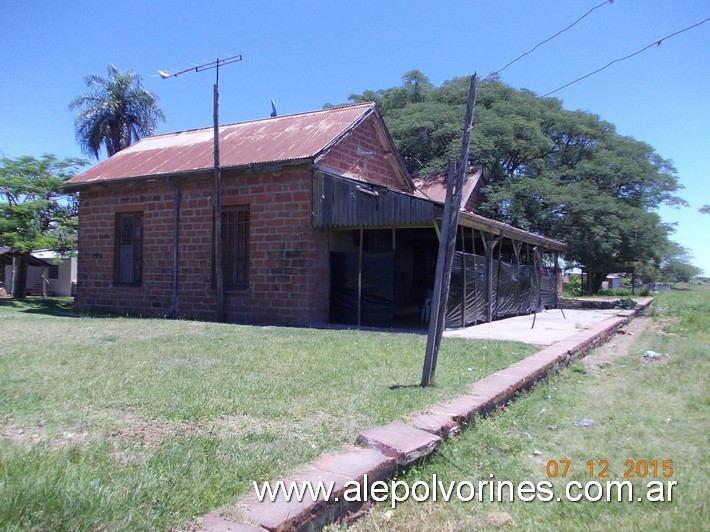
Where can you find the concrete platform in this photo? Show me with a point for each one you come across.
(550, 326)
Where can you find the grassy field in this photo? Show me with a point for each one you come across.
(642, 410)
(122, 423)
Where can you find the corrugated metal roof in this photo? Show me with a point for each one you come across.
(434, 187)
(270, 140)
(6, 258)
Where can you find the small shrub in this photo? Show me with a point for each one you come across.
(573, 288)
(615, 292)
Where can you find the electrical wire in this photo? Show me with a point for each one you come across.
(655, 43)
(550, 38)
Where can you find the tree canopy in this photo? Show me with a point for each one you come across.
(676, 264)
(566, 174)
(35, 212)
(115, 112)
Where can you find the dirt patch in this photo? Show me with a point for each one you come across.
(618, 345)
(37, 435)
(15, 434)
(137, 434)
(152, 435)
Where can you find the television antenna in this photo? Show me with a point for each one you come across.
(218, 267)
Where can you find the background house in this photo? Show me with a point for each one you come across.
(612, 281)
(48, 273)
(320, 223)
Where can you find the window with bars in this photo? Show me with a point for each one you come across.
(235, 246)
(128, 252)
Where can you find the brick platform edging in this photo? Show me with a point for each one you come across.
(385, 449)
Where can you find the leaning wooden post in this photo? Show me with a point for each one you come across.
(436, 310)
(447, 244)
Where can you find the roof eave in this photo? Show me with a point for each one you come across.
(271, 166)
(508, 231)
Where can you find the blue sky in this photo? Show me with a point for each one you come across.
(304, 54)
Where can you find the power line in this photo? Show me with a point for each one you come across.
(655, 43)
(550, 38)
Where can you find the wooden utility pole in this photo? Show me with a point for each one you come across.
(218, 266)
(447, 243)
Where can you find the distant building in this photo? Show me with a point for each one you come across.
(612, 281)
(48, 273)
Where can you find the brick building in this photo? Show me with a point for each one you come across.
(320, 222)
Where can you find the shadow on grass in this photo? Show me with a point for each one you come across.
(399, 386)
(50, 306)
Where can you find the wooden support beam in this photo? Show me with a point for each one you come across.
(500, 248)
(483, 239)
(359, 280)
(463, 277)
(437, 228)
(490, 247)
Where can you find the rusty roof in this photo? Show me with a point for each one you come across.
(434, 187)
(271, 140)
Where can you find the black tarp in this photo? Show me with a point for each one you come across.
(377, 303)
(548, 288)
(467, 301)
(515, 289)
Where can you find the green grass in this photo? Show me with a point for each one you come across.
(121, 423)
(641, 410)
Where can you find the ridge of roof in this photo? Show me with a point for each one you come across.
(263, 119)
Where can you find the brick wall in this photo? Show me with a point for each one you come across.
(361, 155)
(476, 198)
(288, 259)
(289, 279)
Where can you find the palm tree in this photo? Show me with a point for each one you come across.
(115, 112)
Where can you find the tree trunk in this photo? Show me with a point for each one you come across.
(19, 289)
(597, 280)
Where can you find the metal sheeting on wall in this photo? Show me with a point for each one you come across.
(340, 202)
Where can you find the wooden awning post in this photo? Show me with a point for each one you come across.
(490, 248)
(463, 277)
(359, 280)
(536, 261)
(516, 250)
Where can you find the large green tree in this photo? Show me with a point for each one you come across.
(35, 212)
(116, 111)
(565, 174)
(676, 264)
